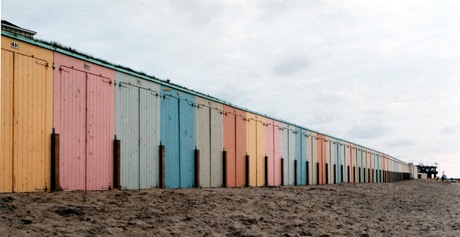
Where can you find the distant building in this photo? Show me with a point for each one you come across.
(413, 170)
(10, 27)
(430, 171)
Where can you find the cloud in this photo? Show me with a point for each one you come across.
(401, 143)
(367, 131)
(448, 130)
(290, 65)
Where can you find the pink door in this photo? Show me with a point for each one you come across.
(72, 165)
(100, 132)
(84, 118)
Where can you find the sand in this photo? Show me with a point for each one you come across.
(408, 208)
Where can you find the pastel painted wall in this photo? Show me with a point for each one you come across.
(26, 109)
(209, 140)
(178, 134)
(84, 117)
(235, 127)
(138, 129)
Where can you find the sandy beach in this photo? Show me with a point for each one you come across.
(408, 208)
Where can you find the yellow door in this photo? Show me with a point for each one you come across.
(26, 117)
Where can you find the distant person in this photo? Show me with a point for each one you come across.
(443, 177)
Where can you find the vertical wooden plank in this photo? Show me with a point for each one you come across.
(230, 145)
(187, 141)
(327, 160)
(6, 121)
(277, 152)
(217, 143)
(128, 132)
(269, 152)
(203, 140)
(100, 132)
(149, 136)
(260, 150)
(285, 153)
(321, 146)
(240, 144)
(70, 123)
(252, 148)
(301, 156)
(170, 138)
(298, 156)
(291, 153)
(313, 159)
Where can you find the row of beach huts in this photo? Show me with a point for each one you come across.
(73, 122)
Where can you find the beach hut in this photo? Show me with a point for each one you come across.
(273, 150)
(322, 164)
(311, 160)
(209, 142)
(178, 136)
(138, 130)
(301, 156)
(84, 118)
(235, 127)
(288, 154)
(256, 148)
(26, 111)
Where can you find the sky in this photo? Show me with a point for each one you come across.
(382, 74)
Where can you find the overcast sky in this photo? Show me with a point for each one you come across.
(383, 74)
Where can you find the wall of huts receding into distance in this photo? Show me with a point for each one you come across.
(72, 122)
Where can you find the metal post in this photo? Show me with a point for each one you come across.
(308, 175)
(55, 143)
(295, 172)
(247, 170)
(266, 171)
(348, 174)
(224, 173)
(116, 163)
(317, 173)
(162, 166)
(369, 177)
(341, 173)
(282, 171)
(359, 174)
(197, 168)
(335, 173)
